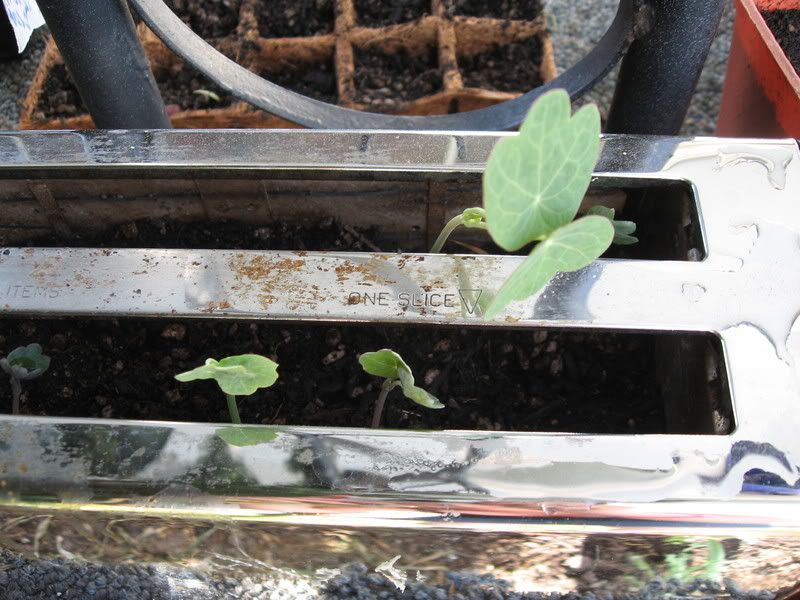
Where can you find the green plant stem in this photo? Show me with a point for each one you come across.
(387, 386)
(233, 409)
(16, 392)
(451, 226)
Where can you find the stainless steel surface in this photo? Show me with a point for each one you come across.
(272, 153)
(746, 291)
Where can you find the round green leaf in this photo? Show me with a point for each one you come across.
(25, 362)
(238, 375)
(246, 436)
(534, 182)
(568, 248)
(382, 363)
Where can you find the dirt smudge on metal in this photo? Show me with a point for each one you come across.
(213, 306)
(270, 278)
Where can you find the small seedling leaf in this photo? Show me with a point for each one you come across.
(620, 239)
(25, 362)
(569, 248)
(246, 436)
(208, 94)
(603, 211)
(474, 218)
(623, 230)
(534, 182)
(382, 363)
(238, 375)
(415, 393)
(390, 365)
(715, 561)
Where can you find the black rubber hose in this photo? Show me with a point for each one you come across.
(102, 52)
(659, 73)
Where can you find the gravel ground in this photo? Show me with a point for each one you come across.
(15, 77)
(22, 579)
(576, 27)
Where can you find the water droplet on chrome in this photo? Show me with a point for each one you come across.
(693, 291)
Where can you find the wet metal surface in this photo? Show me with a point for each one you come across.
(747, 291)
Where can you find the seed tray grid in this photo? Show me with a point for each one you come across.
(447, 38)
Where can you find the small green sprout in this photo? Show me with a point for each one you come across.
(684, 565)
(238, 375)
(208, 94)
(391, 366)
(473, 218)
(22, 364)
(623, 230)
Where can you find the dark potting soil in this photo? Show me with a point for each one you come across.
(496, 9)
(187, 89)
(295, 18)
(59, 97)
(384, 80)
(488, 379)
(316, 81)
(208, 18)
(785, 26)
(511, 68)
(379, 13)
(327, 235)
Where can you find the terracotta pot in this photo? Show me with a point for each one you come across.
(761, 97)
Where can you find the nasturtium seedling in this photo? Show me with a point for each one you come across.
(23, 364)
(471, 218)
(391, 366)
(239, 375)
(532, 188)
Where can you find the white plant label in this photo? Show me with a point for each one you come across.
(25, 18)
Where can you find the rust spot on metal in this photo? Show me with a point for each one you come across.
(212, 306)
(87, 282)
(366, 271)
(344, 270)
(266, 299)
(270, 278)
(260, 267)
